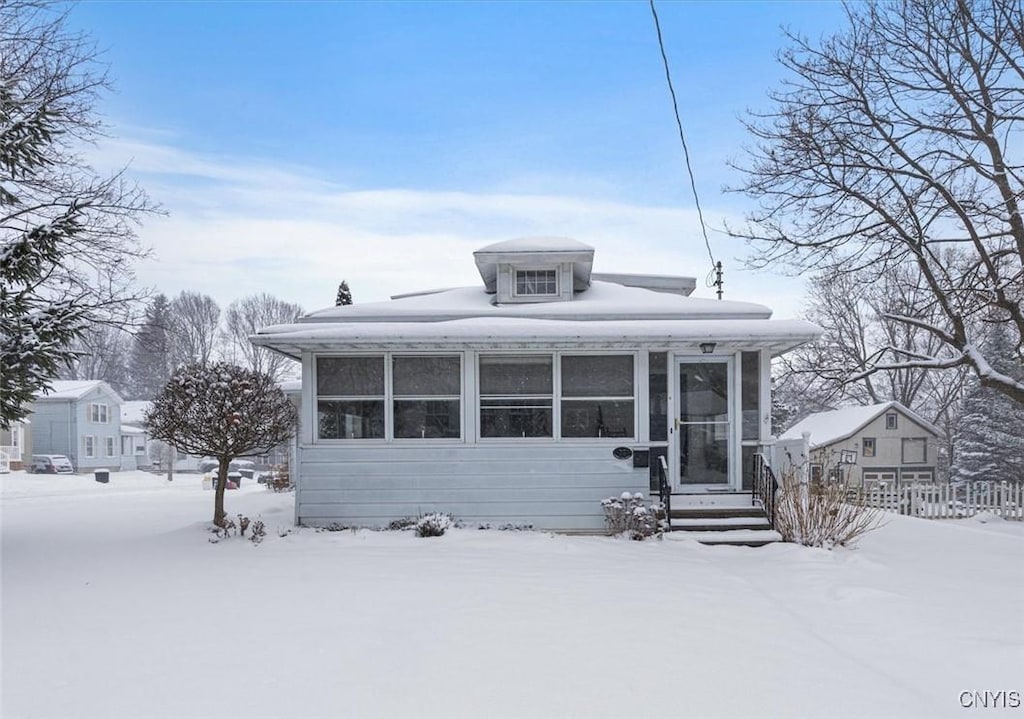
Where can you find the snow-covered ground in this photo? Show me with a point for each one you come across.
(116, 605)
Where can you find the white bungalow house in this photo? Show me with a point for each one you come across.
(884, 442)
(530, 397)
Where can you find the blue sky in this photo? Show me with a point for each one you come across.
(294, 144)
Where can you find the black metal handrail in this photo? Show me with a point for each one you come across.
(664, 491)
(765, 487)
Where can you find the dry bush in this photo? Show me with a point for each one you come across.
(821, 516)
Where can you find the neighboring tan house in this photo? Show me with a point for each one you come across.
(875, 443)
(80, 419)
(15, 446)
(531, 396)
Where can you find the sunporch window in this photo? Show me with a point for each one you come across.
(427, 396)
(424, 393)
(350, 397)
(516, 395)
(597, 396)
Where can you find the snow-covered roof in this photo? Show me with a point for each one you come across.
(517, 333)
(838, 424)
(603, 301)
(616, 310)
(134, 411)
(132, 429)
(73, 389)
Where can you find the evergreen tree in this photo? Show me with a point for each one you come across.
(989, 440)
(344, 295)
(150, 363)
(67, 235)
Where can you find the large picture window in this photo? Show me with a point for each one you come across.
(516, 395)
(424, 393)
(597, 396)
(350, 397)
(427, 396)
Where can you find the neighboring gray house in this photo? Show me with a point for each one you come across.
(530, 397)
(80, 419)
(875, 443)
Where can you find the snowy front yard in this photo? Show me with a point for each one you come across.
(116, 605)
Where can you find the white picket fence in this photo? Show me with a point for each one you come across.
(944, 501)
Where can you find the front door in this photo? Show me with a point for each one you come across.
(703, 426)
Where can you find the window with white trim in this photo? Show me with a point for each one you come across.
(111, 447)
(423, 394)
(891, 421)
(427, 396)
(350, 397)
(536, 283)
(597, 396)
(89, 443)
(99, 413)
(516, 395)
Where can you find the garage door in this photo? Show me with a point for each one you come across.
(874, 475)
(917, 475)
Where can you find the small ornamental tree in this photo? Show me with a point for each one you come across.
(222, 411)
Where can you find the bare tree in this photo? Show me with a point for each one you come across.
(249, 314)
(898, 140)
(67, 234)
(100, 353)
(195, 318)
(855, 309)
(222, 411)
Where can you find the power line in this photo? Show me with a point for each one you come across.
(716, 266)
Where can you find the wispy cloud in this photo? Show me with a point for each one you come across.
(236, 226)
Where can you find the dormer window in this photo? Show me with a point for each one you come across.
(536, 283)
(539, 269)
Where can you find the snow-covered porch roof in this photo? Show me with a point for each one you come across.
(518, 333)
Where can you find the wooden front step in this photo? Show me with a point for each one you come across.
(738, 525)
(698, 512)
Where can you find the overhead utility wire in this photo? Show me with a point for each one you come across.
(715, 266)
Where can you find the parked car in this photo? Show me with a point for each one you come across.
(51, 464)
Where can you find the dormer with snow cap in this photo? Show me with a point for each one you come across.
(535, 269)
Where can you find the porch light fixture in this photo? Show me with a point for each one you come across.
(707, 347)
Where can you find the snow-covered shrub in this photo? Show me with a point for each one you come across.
(819, 514)
(402, 524)
(434, 525)
(229, 528)
(630, 514)
(511, 527)
(333, 527)
(259, 531)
